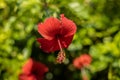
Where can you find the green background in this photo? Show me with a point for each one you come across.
(98, 34)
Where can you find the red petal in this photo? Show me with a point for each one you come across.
(27, 77)
(48, 45)
(52, 45)
(77, 64)
(68, 26)
(34, 66)
(49, 28)
(65, 41)
(39, 68)
(27, 68)
(33, 70)
(85, 59)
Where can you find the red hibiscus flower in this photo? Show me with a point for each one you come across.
(57, 34)
(82, 61)
(33, 70)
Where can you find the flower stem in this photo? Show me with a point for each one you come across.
(83, 74)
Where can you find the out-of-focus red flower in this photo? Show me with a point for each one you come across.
(57, 34)
(33, 70)
(82, 61)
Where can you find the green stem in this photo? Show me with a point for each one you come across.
(110, 73)
(83, 74)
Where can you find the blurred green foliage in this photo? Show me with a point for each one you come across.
(98, 34)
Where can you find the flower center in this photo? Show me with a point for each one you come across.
(57, 36)
(61, 54)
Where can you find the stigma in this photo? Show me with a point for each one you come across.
(61, 57)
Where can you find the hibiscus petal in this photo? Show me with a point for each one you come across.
(48, 45)
(49, 28)
(76, 63)
(68, 26)
(52, 45)
(39, 68)
(27, 77)
(65, 41)
(33, 70)
(27, 68)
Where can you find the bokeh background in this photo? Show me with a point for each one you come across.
(98, 34)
